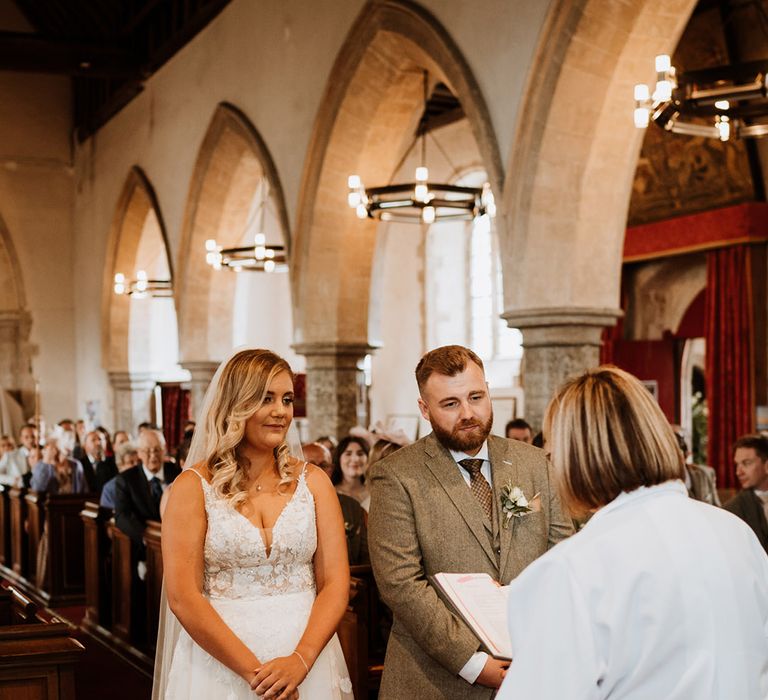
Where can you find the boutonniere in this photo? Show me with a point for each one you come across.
(514, 504)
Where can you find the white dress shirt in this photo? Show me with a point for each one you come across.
(658, 596)
(474, 667)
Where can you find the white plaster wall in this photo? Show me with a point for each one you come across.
(272, 60)
(393, 386)
(36, 197)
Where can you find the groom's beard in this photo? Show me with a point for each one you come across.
(459, 440)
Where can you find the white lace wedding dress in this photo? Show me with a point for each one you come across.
(265, 596)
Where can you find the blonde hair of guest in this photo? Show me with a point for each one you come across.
(242, 389)
(606, 434)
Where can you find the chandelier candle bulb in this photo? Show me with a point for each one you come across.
(210, 245)
(723, 105)
(663, 63)
(269, 266)
(354, 199)
(362, 212)
(422, 173)
(642, 117)
(428, 215)
(642, 93)
(354, 182)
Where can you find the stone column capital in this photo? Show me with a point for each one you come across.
(131, 380)
(334, 353)
(201, 369)
(561, 326)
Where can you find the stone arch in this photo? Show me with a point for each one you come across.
(232, 162)
(572, 164)
(137, 210)
(575, 153)
(369, 112)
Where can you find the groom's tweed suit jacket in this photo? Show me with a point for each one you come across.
(423, 520)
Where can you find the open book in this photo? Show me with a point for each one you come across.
(482, 604)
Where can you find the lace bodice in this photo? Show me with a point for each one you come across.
(237, 563)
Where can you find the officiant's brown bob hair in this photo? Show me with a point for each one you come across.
(606, 434)
(448, 360)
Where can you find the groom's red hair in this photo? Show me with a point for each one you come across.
(448, 360)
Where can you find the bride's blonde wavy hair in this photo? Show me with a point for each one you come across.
(242, 389)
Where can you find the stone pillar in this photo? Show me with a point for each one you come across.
(335, 386)
(201, 373)
(16, 358)
(558, 343)
(132, 394)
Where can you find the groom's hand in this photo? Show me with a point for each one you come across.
(493, 673)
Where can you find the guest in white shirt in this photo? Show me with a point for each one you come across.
(659, 596)
(14, 465)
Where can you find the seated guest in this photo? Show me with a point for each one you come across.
(699, 478)
(659, 595)
(319, 455)
(328, 442)
(17, 463)
(138, 490)
(383, 448)
(109, 449)
(750, 455)
(127, 457)
(519, 429)
(355, 526)
(120, 437)
(7, 444)
(350, 462)
(56, 473)
(99, 468)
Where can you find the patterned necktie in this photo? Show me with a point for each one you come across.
(157, 490)
(479, 486)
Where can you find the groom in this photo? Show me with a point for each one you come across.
(436, 506)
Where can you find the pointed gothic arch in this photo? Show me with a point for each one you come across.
(575, 153)
(369, 112)
(232, 161)
(137, 232)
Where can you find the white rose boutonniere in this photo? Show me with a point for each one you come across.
(514, 504)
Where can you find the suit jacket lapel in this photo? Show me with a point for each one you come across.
(504, 470)
(445, 470)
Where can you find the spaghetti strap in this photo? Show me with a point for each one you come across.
(192, 469)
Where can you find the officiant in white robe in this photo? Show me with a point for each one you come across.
(659, 596)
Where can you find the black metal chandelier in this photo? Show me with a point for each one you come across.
(142, 286)
(420, 201)
(730, 98)
(259, 257)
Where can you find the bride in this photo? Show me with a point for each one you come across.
(254, 553)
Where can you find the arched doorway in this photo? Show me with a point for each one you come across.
(372, 104)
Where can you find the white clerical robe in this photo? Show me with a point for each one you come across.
(658, 597)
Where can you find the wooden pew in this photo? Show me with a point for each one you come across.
(154, 581)
(5, 527)
(38, 657)
(353, 636)
(19, 545)
(56, 518)
(98, 567)
(35, 524)
(122, 584)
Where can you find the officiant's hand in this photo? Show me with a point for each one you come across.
(278, 679)
(493, 673)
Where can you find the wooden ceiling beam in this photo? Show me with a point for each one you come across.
(30, 53)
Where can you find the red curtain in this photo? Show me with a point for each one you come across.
(730, 359)
(175, 401)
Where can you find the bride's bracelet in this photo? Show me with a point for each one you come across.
(302, 660)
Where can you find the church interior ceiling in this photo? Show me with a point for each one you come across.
(678, 174)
